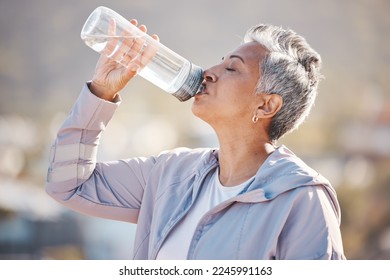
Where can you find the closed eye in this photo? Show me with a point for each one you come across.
(229, 69)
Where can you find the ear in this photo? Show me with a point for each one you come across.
(268, 105)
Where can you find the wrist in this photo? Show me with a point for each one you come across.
(102, 92)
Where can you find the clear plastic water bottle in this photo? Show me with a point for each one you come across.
(107, 32)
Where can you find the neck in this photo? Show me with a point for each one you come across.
(240, 157)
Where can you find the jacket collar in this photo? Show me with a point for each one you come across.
(281, 172)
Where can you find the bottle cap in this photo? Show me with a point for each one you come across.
(191, 85)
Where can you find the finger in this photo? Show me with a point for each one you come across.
(113, 40)
(129, 45)
(148, 53)
(114, 49)
(132, 69)
(127, 42)
(119, 51)
(135, 50)
(155, 37)
(111, 27)
(134, 22)
(143, 28)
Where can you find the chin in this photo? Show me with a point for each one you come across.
(195, 109)
(199, 111)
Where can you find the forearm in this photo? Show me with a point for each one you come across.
(73, 156)
(78, 138)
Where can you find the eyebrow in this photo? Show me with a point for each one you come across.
(235, 56)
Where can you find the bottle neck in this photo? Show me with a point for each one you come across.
(191, 85)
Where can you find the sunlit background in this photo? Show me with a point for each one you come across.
(43, 65)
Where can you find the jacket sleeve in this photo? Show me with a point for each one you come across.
(311, 231)
(110, 190)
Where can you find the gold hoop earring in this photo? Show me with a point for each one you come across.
(255, 119)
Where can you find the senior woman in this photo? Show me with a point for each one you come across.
(246, 199)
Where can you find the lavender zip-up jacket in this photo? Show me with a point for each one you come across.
(289, 211)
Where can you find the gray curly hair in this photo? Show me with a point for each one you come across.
(291, 69)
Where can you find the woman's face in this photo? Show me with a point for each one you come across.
(229, 94)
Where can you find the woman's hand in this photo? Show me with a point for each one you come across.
(133, 54)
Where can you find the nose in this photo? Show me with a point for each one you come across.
(209, 76)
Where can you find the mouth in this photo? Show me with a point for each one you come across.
(202, 89)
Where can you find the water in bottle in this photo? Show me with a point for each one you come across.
(106, 32)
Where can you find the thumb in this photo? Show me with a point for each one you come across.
(133, 70)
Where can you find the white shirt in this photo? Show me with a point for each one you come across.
(213, 193)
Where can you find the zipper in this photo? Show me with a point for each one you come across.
(216, 209)
(202, 177)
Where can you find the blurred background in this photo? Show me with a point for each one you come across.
(44, 63)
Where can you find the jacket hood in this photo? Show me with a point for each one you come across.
(281, 172)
